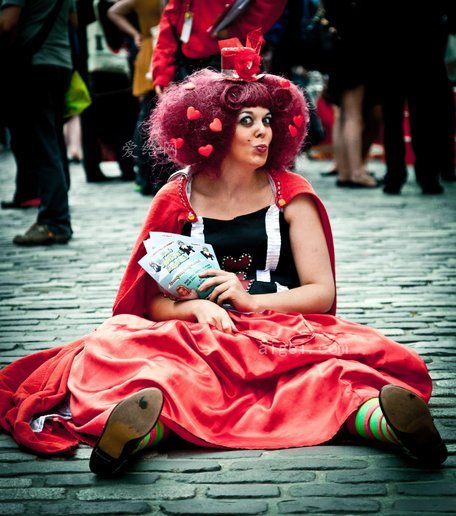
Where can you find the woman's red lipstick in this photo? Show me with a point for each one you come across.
(261, 148)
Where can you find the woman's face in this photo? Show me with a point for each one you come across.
(252, 137)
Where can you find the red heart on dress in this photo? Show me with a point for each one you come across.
(192, 113)
(206, 150)
(285, 83)
(293, 130)
(215, 125)
(177, 142)
(231, 264)
(298, 120)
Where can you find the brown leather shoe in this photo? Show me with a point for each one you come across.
(129, 422)
(409, 417)
(40, 234)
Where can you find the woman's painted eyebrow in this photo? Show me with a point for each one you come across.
(251, 113)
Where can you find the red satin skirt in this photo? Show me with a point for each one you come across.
(280, 381)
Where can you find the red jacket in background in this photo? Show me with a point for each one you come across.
(259, 13)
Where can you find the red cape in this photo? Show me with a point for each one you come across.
(171, 210)
(281, 380)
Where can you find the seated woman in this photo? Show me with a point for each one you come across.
(262, 362)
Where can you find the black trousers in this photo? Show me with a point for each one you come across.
(153, 170)
(35, 109)
(428, 94)
(110, 120)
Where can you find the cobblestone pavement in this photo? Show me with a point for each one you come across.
(397, 272)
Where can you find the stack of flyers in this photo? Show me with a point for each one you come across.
(175, 263)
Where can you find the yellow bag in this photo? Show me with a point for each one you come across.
(77, 97)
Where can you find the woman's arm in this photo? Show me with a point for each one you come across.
(164, 55)
(162, 308)
(118, 15)
(310, 254)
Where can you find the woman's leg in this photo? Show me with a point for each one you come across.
(370, 423)
(340, 157)
(399, 416)
(158, 434)
(351, 131)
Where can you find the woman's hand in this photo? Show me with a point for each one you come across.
(138, 40)
(163, 308)
(228, 289)
(208, 312)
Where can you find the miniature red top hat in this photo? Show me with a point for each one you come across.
(239, 62)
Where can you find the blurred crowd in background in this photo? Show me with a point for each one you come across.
(379, 78)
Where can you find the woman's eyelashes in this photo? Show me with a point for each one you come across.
(248, 120)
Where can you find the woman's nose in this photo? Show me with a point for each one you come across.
(259, 129)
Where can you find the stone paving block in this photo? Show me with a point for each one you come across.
(243, 491)
(328, 505)
(435, 505)
(40, 466)
(442, 488)
(401, 513)
(85, 508)
(337, 451)
(319, 463)
(243, 477)
(19, 325)
(11, 508)
(338, 490)
(16, 456)
(4, 346)
(178, 466)
(33, 493)
(386, 475)
(15, 482)
(204, 454)
(212, 507)
(89, 479)
(143, 492)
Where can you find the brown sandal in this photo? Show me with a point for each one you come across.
(409, 417)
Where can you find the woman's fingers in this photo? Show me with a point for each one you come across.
(223, 323)
(215, 278)
(214, 315)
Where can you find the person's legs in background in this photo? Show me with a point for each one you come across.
(426, 138)
(448, 131)
(91, 150)
(72, 132)
(15, 112)
(153, 170)
(393, 104)
(347, 139)
(26, 192)
(43, 130)
(371, 131)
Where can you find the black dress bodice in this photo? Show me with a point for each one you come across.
(255, 246)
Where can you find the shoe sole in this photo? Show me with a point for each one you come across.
(409, 417)
(130, 420)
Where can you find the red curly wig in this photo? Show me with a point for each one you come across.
(184, 134)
